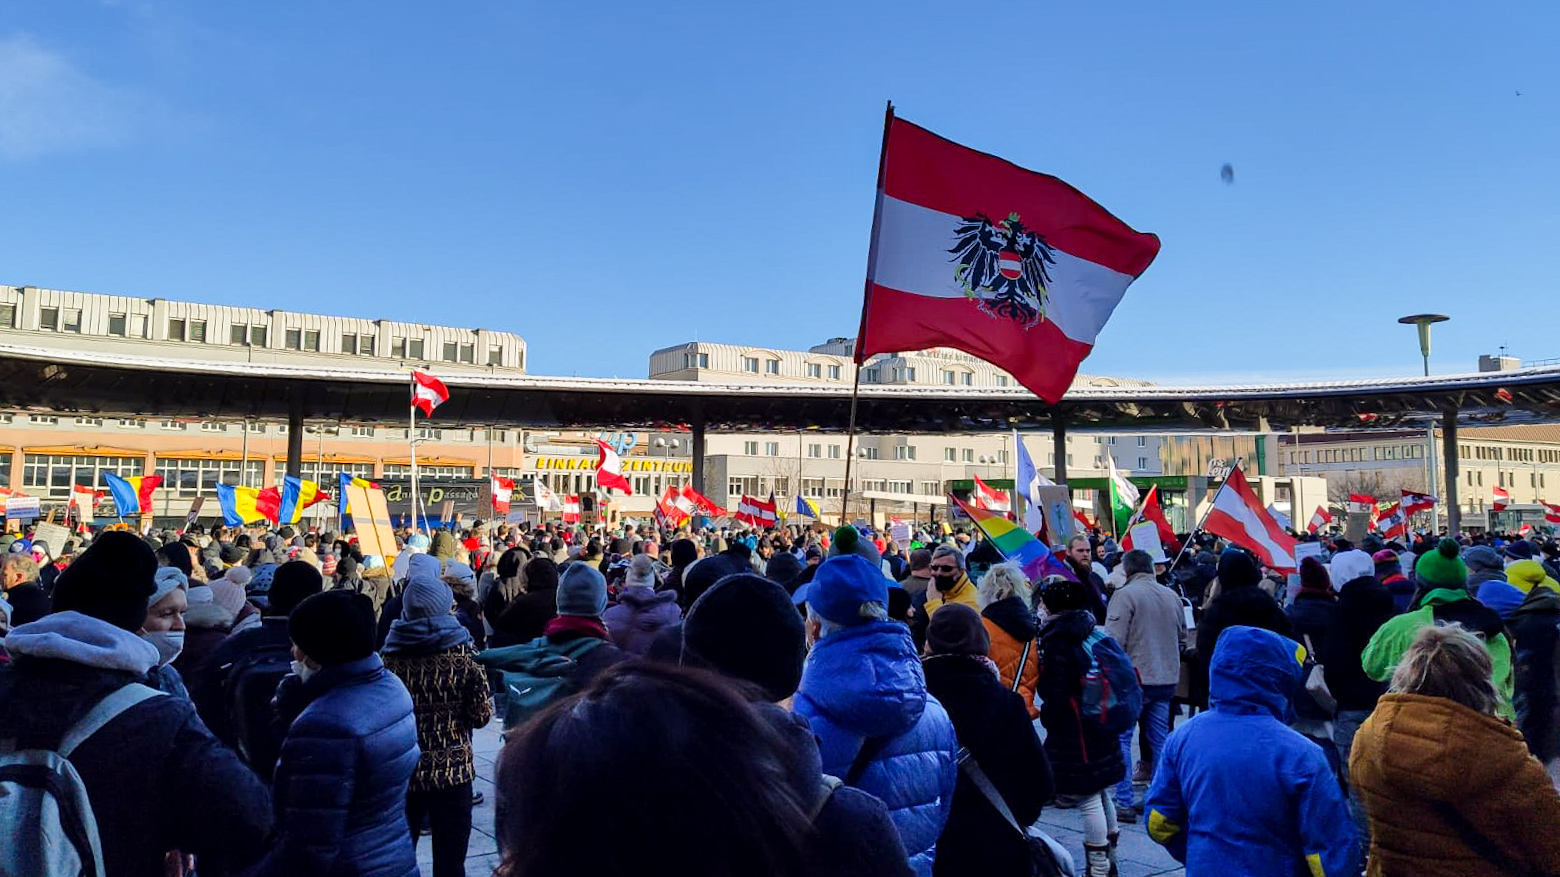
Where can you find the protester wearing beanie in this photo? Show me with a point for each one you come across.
(232, 693)
(745, 628)
(350, 749)
(187, 790)
(528, 613)
(1239, 601)
(1521, 577)
(1484, 565)
(641, 611)
(863, 683)
(993, 725)
(431, 652)
(1312, 614)
(1442, 578)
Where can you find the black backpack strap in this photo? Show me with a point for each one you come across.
(870, 747)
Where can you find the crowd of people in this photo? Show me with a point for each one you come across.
(786, 702)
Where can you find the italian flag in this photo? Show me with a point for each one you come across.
(973, 252)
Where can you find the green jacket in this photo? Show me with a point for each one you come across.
(1443, 606)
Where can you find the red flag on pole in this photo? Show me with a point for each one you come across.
(503, 491)
(1551, 513)
(989, 498)
(609, 469)
(1502, 498)
(1239, 516)
(428, 392)
(1319, 519)
(973, 252)
(1414, 503)
(1150, 510)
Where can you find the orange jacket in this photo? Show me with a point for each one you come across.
(1006, 653)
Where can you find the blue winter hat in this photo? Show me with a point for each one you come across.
(582, 591)
(840, 586)
(420, 541)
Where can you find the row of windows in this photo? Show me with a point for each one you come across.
(1357, 454)
(255, 428)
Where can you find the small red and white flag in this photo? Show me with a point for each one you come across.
(1361, 503)
(1150, 510)
(697, 501)
(609, 469)
(428, 392)
(1502, 498)
(1551, 513)
(1414, 503)
(973, 252)
(672, 510)
(1082, 521)
(1319, 519)
(546, 500)
(989, 498)
(1392, 522)
(756, 513)
(503, 491)
(1238, 515)
(571, 509)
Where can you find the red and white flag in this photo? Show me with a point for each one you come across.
(546, 500)
(1414, 503)
(503, 491)
(1238, 516)
(1393, 522)
(672, 510)
(973, 252)
(1502, 498)
(989, 498)
(1361, 503)
(1082, 521)
(428, 392)
(1320, 519)
(571, 509)
(609, 469)
(756, 513)
(1551, 513)
(1150, 510)
(702, 504)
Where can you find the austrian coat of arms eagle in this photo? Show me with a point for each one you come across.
(1002, 266)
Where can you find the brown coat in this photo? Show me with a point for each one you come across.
(1418, 759)
(1005, 653)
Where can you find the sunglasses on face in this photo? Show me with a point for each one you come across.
(943, 568)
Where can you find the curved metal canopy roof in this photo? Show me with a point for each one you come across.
(131, 386)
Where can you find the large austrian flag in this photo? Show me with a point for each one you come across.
(973, 252)
(428, 392)
(609, 469)
(1238, 516)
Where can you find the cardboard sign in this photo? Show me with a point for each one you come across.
(23, 508)
(189, 519)
(371, 516)
(1146, 537)
(1357, 525)
(516, 516)
(1055, 501)
(1307, 549)
(55, 535)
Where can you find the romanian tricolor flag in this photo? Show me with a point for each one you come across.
(244, 505)
(345, 481)
(132, 495)
(297, 495)
(1016, 544)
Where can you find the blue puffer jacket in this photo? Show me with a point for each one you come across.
(340, 787)
(866, 681)
(1239, 794)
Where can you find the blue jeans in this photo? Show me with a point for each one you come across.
(1154, 723)
(1345, 726)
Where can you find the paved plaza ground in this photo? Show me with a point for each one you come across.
(1140, 857)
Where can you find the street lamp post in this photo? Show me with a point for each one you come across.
(1423, 322)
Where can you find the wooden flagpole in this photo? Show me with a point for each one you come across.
(866, 296)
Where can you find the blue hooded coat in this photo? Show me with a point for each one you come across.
(864, 682)
(1238, 793)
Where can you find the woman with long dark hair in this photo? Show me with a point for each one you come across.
(704, 775)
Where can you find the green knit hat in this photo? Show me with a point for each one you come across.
(1442, 568)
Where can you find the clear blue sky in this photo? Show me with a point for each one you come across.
(609, 178)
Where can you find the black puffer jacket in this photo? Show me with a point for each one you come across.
(1250, 606)
(1084, 759)
(156, 778)
(341, 781)
(1535, 668)
(1364, 605)
(1311, 614)
(993, 725)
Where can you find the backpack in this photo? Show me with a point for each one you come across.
(1112, 694)
(536, 675)
(247, 694)
(44, 810)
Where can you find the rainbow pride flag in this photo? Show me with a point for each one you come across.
(1017, 545)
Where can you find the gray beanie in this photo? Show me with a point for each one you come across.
(641, 572)
(1483, 557)
(582, 591)
(426, 598)
(166, 580)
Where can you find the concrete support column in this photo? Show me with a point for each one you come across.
(1059, 444)
(1449, 453)
(698, 454)
(295, 436)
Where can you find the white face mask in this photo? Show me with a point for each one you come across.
(169, 644)
(302, 671)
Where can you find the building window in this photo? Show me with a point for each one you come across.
(869, 375)
(72, 320)
(904, 452)
(950, 378)
(468, 354)
(950, 455)
(171, 425)
(1002, 380)
(869, 453)
(366, 345)
(969, 379)
(1142, 463)
(814, 370)
(7, 316)
(349, 344)
(1142, 441)
(212, 426)
(89, 421)
(449, 351)
(496, 356)
(116, 325)
(198, 331)
(257, 336)
(52, 476)
(189, 478)
(750, 364)
(969, 455)
(292, 339)
(49, 318)
(815, 451)
(175, 330)
(834, 372)
(696, 360)
(414, 348)
(398, 348)
(772, 366)
(362, 432)
(131, 423)
(834, 452)
(238, 333)
(750, 448)
(43, 419)
(771, 449)
(395, 470)
(903, 373)
(311, 340)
